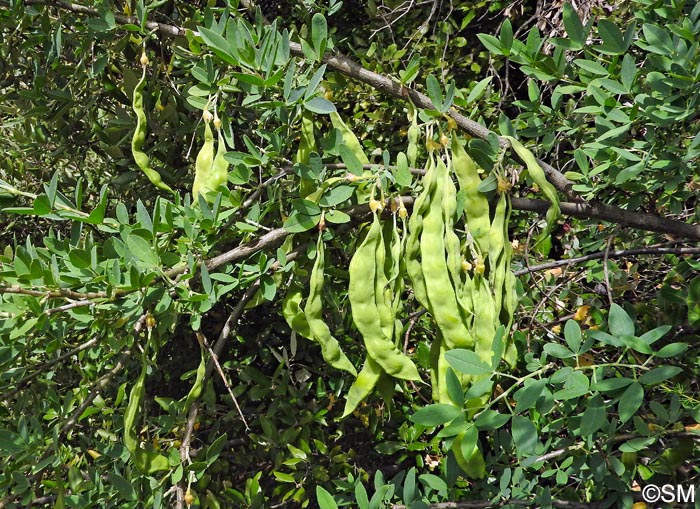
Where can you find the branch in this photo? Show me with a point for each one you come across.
(639, 220)
(620, 253)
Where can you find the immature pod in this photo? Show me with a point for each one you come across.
(441, 295)
(139, 137)
(453, 248)
(330, 348)
(219, 167)
(415, 229)
(438, 371)
(537, 174)
(370, 311)
(196, 390)
(363, 385)
(349, 138)
(413, 135)
(293, 312)
(307, 140)
(477, 206)
(307, 145)
(146, 460)
(204, 161)
(499, 253)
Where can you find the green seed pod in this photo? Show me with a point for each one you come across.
(203, 164)
(139, 137)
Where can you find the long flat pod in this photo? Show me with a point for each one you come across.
(203, 163)
(139, 137)
(365, 313)
(415, 228)
(441, 295)
(363, 385)
(330, 348)
(477, 205)
(537, 174)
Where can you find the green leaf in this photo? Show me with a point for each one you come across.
(591, 66)
(11, 442)
(672, 350)
(409, 487)
(575, 386)
(434, 91)
(490, 419)
(478, 89)
(80, 258)
(402, 174)
(41, 205)
(467, 362)
(593, 417)
(435, 415)
(433, 482)
(528, 395)
(319, 34)
(659, 374)
(636, 344)
(614, 133)
(411, 71)
(124, 487)
(658, 39)
(336, 196)
(319, 105)
(218, 45)
(524, 435)
(558, 351)
(637, 444)
(325, 499)
(298, 222)
(506, 36)
(574, 27)
(611, 384)
(314, 82)
(613, 43)
(454, 387)
(498, 346)
(491, 43)
(350, 159)
(693, 302)
(214, 450)
(630, 401)
(143, 251)
(283, 477)
(605, 338)
(619, 322)
(572, 335)
(337, 217)
(361, 496)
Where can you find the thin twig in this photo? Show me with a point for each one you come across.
(621, 253)
(202, 338)
(194, 409)
(606, 271)
(42, 368)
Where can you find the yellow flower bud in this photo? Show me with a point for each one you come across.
(376, 205)
(189, 497)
